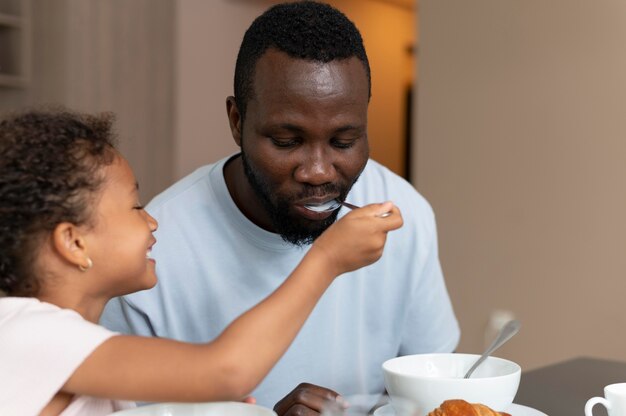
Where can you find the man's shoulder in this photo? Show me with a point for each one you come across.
(378, 181)
(377, 171)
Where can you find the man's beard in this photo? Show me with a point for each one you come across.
(293, 229)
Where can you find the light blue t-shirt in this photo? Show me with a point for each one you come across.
(213, 264)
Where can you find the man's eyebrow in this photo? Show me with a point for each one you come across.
(348, 128)
(290, 127)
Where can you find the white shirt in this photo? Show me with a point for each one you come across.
(41, 345)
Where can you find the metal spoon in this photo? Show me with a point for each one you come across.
(335, 204)
(327, 206)
(508, 330)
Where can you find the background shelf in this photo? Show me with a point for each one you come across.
(15, 41)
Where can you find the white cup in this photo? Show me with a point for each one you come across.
(614, 400)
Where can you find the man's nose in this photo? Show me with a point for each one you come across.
(317, 167)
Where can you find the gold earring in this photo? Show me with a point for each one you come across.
(85, 268)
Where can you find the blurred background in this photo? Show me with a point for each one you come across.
(505, 114)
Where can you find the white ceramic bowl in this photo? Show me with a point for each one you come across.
(198, 409)
(430, 379)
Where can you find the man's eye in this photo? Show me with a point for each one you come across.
(343, 144)
(285, 142)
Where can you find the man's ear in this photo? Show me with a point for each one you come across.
(69, 242)
(234, 119)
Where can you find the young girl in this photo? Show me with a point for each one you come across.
(73, 235)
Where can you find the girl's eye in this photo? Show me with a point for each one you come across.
(139, 207)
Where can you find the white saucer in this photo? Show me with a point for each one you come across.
(514, 410)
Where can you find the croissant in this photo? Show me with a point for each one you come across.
(463, 408)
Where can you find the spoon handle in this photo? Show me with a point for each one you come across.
(348, 205)
(508, 330)
(352, 206)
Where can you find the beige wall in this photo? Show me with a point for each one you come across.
(521, 151)
(208, 36)
(115, 56)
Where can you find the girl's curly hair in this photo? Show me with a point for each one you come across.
(50, 163)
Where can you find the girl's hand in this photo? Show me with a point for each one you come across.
(358, 239)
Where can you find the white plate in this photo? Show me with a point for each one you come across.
(514, 410)
(198, 409)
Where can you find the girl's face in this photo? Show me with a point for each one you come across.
(120, 240)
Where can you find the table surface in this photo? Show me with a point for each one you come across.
(562, 389)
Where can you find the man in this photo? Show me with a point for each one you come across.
(231, 231)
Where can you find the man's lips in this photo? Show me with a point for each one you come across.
(317, 200)
(311, 215)
(301, 209)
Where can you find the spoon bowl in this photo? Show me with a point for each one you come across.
(327, 206)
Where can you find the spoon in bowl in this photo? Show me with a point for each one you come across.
(335, 204)
(506, 333)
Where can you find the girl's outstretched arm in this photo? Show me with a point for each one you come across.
(231, 366)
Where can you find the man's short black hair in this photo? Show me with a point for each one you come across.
(305, 30)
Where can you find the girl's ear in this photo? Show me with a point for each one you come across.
(69, 243)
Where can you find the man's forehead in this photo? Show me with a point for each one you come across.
(276, 69)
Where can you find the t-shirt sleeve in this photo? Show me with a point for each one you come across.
(41, 346)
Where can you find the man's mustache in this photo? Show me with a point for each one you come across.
(310, 191)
